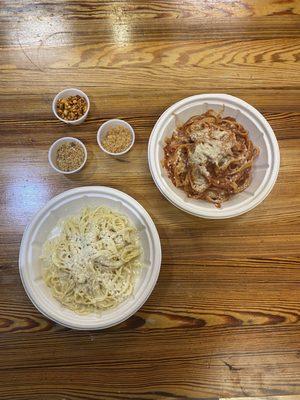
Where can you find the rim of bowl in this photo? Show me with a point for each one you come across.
(100, 131)
(66, 139)
(60, 95)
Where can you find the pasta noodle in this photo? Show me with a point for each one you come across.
(210, 157)
(94, 262)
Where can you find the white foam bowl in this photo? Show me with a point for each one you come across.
(266, 165)
(44, 226)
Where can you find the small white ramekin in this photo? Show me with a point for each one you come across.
(111, 123)
(67, 93)
(53, 150)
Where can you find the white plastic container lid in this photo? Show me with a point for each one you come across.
(265, 167)
(44, 226)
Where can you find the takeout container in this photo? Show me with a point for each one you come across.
(44, 226)
(106, 126)
(53, 150)
(265, 168)
(67, 93)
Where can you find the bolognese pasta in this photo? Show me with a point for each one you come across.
(210, 157)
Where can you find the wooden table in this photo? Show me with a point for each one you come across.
(223, 320)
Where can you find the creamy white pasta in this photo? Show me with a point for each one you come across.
(92, 265)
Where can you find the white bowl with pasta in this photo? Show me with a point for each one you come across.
(45, 226)
(264, 169)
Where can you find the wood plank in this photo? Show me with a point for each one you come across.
(266, 398)
(152, 10)
(185, 64)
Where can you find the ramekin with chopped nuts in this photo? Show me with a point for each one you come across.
(115, 137)
(71, 106)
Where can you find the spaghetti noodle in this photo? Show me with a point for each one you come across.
(210, 157)
(93, 264)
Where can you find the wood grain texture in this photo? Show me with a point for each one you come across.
(224, 318)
